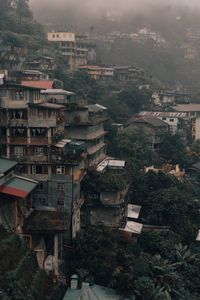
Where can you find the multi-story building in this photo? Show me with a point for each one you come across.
(106, 194)
(155, 127)
(33, 133)
(16, 196)
(173, 119)
(74, 48)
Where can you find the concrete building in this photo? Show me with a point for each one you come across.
(15, 196)
(93, 71)
(173, 119)
(106, 193)
(31, 133)
(152, 125)
(74, 48)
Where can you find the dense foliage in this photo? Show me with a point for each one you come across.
(158, 266)
(20, 276)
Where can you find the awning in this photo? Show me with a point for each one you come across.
(133, 211)
(18, 187)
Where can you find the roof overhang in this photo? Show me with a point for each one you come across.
(18, 187)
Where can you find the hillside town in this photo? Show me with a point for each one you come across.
(99, 170)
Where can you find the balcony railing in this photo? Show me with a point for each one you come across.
(18, 140)
(39, 141)
(18, 122)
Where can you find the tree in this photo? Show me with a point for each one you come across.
(22, 9)
(175, 208)
(133, 144)
(174, 151)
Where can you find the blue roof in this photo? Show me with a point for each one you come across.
(6, 165)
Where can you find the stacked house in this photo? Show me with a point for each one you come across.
(53, 143)
(75, 48)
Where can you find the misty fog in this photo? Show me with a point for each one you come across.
(104, 14)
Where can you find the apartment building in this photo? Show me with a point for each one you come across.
(73, 47)
(33, 133)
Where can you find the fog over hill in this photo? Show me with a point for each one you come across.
(84, 14)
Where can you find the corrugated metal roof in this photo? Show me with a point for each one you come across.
(19, 187)
(6, 165)
(56, 92)
(133, 227)
(62, 143)
(112, 163)
(153, 121)
(133, 211)
(163, 114)
(41, 84)
(51, 105)
(186, 107)
(95, 107)
(102, 165)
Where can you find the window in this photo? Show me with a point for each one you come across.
(38, 132)
(53, 35)
(60, 202)
(39, 151)
(57, 35)
(163, 119)
(43, 201)
(19, 150)
(19, 95)
(40, 186)
(20, 132)
(33, 169)
(171, 120)
(60, 169)
(36, 169)
(60, 186)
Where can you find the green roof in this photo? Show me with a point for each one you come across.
(21, 184)
(6, 165)
(17, 186)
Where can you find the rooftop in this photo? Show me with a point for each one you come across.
(18, 186)
(186, 107)
(133, 211)
(21, 86)
(153, 121)
(41, 84)
(6, 165)
(163, 114)
(56, 92)
(47, 105)
(133, 227)
(96, 107)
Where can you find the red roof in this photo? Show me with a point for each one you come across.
(13, 191)
(41, 84)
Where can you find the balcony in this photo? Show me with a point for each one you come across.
(42, 122)
(83, 135)
(38, 177)
(5, 103)
(18, 140)
(18, 123)
(38, 158)
(38, 141)
(93, 149)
